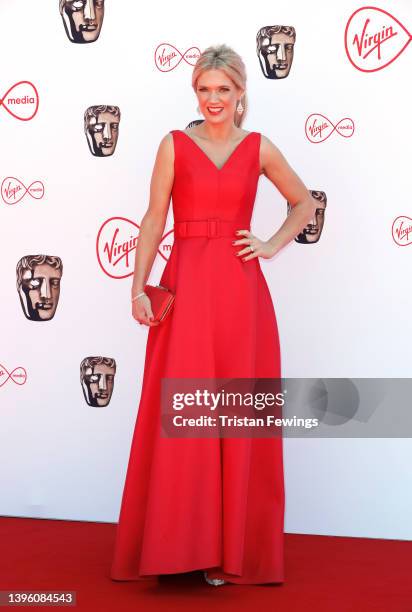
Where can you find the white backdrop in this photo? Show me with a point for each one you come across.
(342, 304)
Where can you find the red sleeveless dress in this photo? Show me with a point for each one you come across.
(214, 504)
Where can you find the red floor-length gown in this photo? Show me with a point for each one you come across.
(213, 504)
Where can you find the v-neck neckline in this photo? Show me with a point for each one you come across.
(208, 158)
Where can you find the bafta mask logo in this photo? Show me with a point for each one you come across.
(97, 380)
(38, 285)
(82, 19)
(101, 126)
(274, 46)
(311, 233)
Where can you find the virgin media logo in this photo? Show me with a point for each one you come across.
(167, 57)
(402, 230)
(116, 244)
(374, 39)
(18, 375)
(12, 190)
(21, 101)
(318, 128)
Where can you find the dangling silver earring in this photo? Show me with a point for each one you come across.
(240, 108)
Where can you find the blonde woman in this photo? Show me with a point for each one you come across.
(212, 504)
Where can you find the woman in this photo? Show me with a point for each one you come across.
(209, 504)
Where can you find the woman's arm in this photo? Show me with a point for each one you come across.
(278, 171)
(154, 220)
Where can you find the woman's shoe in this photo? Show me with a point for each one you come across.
(214, 581)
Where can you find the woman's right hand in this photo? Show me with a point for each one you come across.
(142, 311)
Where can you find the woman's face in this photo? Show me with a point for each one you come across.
(217, 95)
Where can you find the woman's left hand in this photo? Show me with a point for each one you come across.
(261, 248)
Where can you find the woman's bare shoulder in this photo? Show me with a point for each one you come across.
(167, 141)
(266, 141)
(268, 147)
(166, 147)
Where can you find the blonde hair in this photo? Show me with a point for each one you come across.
(222, 57)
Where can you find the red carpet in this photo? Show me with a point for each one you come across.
(323, 573)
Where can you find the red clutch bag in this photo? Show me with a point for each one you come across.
(161, 299)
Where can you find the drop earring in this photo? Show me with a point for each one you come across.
(240, 108)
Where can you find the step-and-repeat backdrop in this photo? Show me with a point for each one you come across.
(88, 88)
